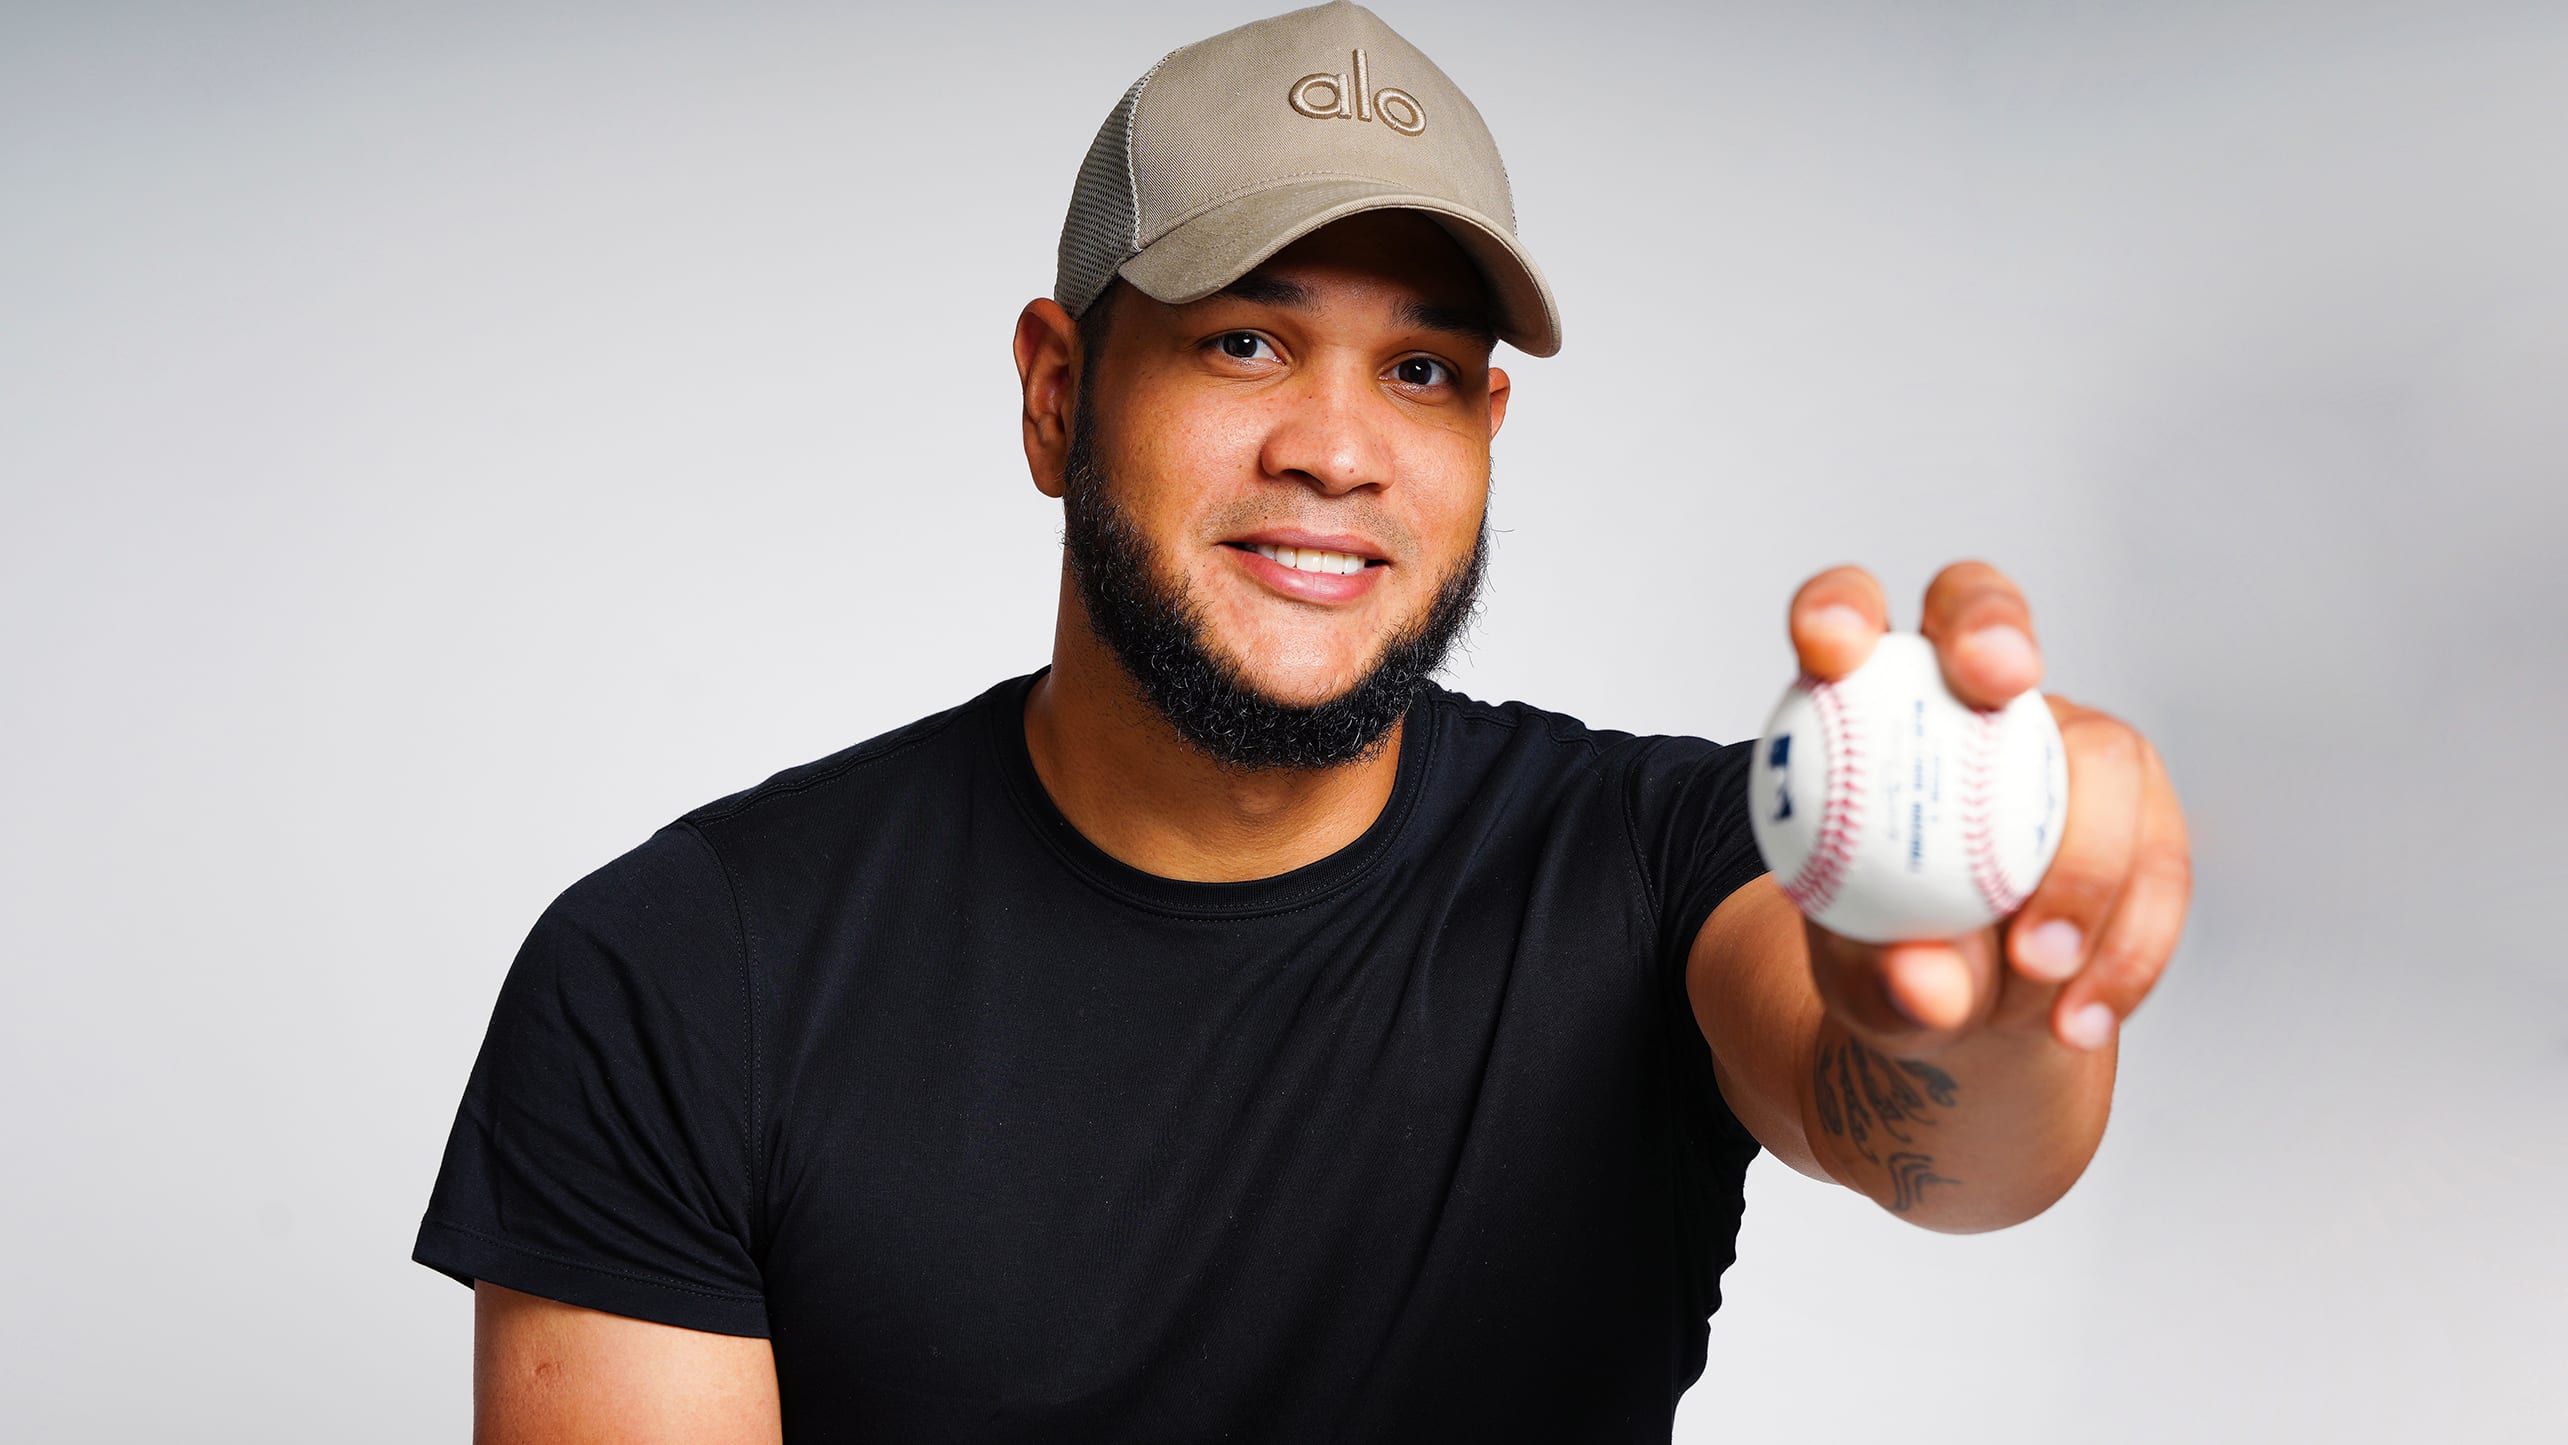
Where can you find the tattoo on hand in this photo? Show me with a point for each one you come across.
(1862, 1090)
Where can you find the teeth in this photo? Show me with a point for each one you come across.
(1311, 559)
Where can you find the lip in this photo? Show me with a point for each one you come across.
(1297, 539)
(1322, 587)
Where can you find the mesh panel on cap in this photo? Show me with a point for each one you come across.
(1103, 228)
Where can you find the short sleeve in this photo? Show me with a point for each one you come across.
(1686, 800)
(1687, 803)
(601, 1155)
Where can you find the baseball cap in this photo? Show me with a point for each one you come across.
(1230, 149)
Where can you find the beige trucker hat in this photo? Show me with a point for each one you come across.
(1232, 148)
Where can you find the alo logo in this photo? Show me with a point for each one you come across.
(1323, 96)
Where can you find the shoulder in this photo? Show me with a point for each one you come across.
(906, 776)
(1484, 729)
(673, 901)
(1475, 723)
(1675, 801)
(924, 747)
(1668, 789)
(694, 865)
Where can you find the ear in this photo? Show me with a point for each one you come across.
(1497, 400)
(1047, 363)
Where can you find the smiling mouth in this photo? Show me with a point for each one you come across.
(1311, 559)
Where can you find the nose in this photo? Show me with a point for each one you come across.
(1331, 431)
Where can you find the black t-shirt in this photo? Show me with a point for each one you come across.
(998, 1138)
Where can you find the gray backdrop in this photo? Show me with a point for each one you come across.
(442, 444)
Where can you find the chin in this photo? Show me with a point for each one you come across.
(1302, 685)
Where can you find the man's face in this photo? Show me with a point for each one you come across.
(1276, 496)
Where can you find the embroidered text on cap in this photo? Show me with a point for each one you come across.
(1323, 95)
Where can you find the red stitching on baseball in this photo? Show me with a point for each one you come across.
(1840, 815)
(1979, 765)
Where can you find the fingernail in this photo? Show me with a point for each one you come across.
(2051, 950)
(1837, 617)
(2090, 1027)
(2004, 647)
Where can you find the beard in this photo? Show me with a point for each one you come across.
(1159, 634)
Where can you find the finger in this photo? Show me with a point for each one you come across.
(2049, 938)
(2134, 947)
(1912, 997)
(1983, 634)
(2024, 1004)
(1834, 619)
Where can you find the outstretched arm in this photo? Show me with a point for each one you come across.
(1962, 1085)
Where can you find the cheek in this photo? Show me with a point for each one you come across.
(1450, 488)
(1186, 471)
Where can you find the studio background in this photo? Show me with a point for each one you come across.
(443, 444)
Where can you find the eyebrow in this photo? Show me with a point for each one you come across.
(1471, 321)
(1260, 289)
(1475, 322)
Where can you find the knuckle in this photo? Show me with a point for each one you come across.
(2121, 992)
(2149, 754)
(2077, 890)
(2162, 785)
(2169, 869)
(1990, 605)
(2129, 961)
(1961, 606)
(2119, 962)
(2103, 741)
(2101, 729)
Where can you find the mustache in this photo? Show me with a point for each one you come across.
(1159, 637)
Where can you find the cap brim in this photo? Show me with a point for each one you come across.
(1211, 249)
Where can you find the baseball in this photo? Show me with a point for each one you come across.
(1888, 809)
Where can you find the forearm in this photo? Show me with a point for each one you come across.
(1981, 1135)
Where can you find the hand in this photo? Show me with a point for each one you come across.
(2091, 941)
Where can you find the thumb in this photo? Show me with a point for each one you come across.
(1915, 997)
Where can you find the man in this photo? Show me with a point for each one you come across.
(1225, 1032)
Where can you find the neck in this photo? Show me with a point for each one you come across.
(1131, 785)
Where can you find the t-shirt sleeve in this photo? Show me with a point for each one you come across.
(601, 1155)
(1686, 800)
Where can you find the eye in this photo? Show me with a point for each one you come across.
(1243, 345)
(1421, 371)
